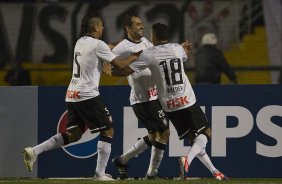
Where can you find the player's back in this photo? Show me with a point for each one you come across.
(86, 70)
(174, 89)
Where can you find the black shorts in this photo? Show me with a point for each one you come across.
(151, 115)
(91, 113)
(188, 120)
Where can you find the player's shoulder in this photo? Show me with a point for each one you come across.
(174, 45)
(86, 42)
(91, 41)
(88, 39)
(146, 42)
(122, 44)
(143, 39)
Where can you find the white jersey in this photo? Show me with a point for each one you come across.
(166, 63)
(87, 67)
(143, 89)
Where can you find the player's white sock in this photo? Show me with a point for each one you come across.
(104, 151)
(205, 159)
(54, 142)
(200, 143)
(155, 161)
(138, 147)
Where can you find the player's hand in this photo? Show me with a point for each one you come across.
(187, 46)
(107, 68)
(137, 54)
(112, 45)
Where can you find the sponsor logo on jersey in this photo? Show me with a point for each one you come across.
(152, 92)
(72, 94)
(177, 102)
(85, 147)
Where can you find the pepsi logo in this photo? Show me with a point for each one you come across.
(85, 147)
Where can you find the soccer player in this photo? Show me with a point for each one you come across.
(83, 101)
(143, 99)
(177, 98)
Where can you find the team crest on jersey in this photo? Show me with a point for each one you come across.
(85, 147)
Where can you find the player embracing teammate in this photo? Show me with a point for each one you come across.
(175, 93)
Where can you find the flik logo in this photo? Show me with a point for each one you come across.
(85, 147)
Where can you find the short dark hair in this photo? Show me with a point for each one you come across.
(160, 31)
(127, 20)
(87, 23)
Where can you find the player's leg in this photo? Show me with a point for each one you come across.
(156, 121)
(201, 130)
(120, 162)
(203, 133)
(198, 145)
(157, 151)
(73, 133)
(200, 119)
(58, 140)
(205, 159)
(152, 117)
(104, 151)
(98, 119)
(140, 146)
(140, 110)
(185, 122)
(183, 128)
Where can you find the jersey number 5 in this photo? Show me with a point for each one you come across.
(175, 73)
(77, 75)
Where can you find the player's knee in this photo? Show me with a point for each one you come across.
(165, 135)
(208, 133)
(108, 133)
(74, 134)
(152, 135)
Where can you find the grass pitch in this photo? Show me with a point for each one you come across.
(141, 181)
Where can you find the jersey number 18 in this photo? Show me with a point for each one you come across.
(175, 73)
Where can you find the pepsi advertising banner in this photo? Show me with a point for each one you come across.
(246, 122)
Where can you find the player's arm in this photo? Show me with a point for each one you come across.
(123, 63)
(112, 71)
(112, 45)
(137, 66)
(124, 72)
(105, 54)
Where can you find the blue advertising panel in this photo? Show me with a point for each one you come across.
(246, 123)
